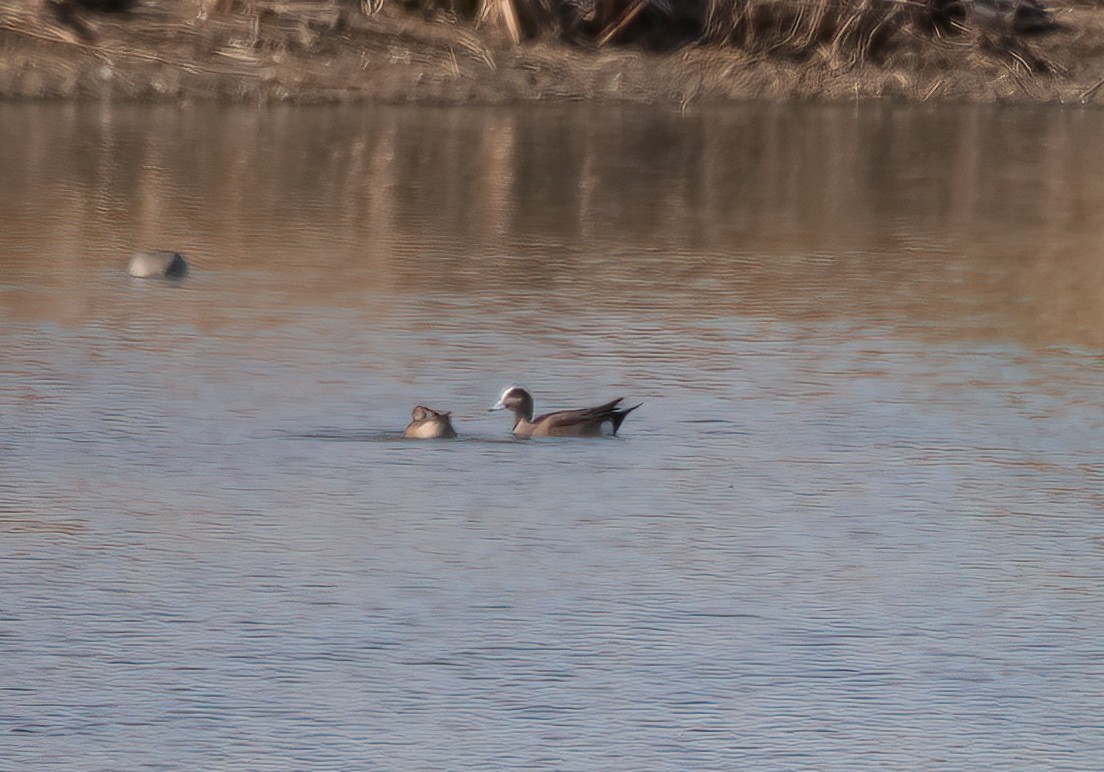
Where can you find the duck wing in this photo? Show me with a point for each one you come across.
(579, 416)
(581, 421)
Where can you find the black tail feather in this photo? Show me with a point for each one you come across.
(617, 416)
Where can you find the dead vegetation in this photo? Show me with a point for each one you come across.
(498, 50)
(853, 30)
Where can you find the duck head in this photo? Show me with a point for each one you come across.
(517, 400)
(428, 423)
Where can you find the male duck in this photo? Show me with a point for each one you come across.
(429, 424)
(584, 422)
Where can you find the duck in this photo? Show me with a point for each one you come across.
(582, 422)
(157, 264)
(429, 424)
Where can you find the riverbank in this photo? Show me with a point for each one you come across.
(317, 53)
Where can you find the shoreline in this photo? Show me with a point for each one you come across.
(164, 53)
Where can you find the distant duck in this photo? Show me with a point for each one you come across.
(157, 264)
(583, 422)
(428, 424)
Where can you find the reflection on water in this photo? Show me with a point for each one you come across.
(990, 216)
(856, 523)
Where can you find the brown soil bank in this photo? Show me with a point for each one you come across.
(496, 51)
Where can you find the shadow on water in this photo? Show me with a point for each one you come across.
(342, 435)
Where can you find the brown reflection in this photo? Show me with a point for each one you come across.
(959, 221)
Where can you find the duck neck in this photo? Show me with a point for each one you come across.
(524, 411)
(521, 423)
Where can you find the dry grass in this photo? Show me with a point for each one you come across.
(844, 30)
(840, 32)
(437, 50)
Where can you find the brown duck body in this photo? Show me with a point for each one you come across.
(429, 424)
(584, 422)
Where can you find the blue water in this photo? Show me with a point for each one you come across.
(857, 523)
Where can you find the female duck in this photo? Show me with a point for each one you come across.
(584, 422)
(427, 424)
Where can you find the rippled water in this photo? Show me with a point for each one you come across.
(856, 524)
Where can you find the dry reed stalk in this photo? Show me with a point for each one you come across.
(626, 18)
(1087, 94)
(502, 12)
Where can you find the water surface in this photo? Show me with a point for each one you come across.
(856, 524)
